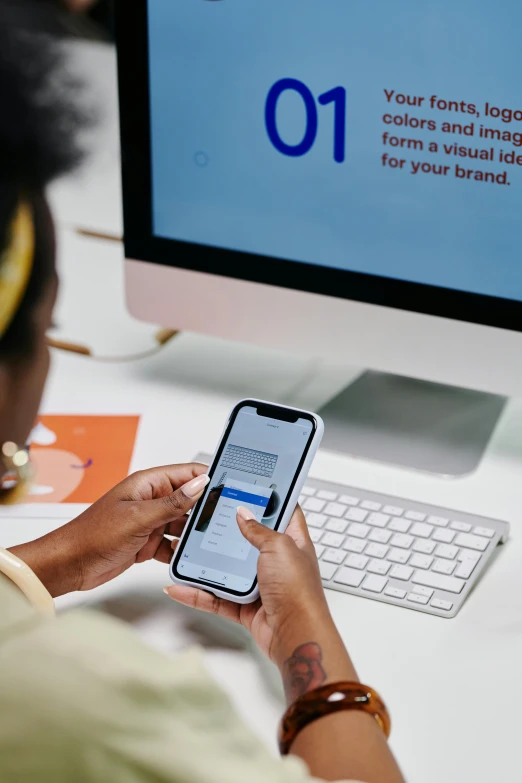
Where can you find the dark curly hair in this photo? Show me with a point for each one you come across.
(39, 120)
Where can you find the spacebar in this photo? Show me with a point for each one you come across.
(429, 579)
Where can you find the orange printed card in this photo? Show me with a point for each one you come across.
(78, 458)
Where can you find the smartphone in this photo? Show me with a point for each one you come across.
(261, 462)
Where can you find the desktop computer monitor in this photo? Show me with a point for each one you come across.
(342, 178)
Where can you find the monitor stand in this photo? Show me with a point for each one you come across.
(413, 424)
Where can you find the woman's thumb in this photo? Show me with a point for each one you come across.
(255, 533)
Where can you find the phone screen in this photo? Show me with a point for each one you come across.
(256, 466)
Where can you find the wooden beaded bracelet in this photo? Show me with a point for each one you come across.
(327, 699)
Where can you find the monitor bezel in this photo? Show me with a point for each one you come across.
(142, 245)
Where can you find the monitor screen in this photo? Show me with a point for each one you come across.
(361, 135)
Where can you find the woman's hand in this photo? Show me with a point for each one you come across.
(289, 584)
(127, 525)
(292, 624)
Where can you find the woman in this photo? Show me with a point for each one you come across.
(81, 698)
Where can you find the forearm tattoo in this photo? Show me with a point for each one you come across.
(303, 671)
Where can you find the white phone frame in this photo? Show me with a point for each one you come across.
(293, 498)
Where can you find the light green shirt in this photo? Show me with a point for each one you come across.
(84, 700)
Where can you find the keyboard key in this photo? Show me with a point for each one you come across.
(334, 556)
(337, 525)
(348, 500)
(421, 561)
(468, 554)
(417, 599)
(444, 566)
(484, 531)
(315, 535)
(415, 516)
(333, 539)
(437, 603)
(445, 536)
(438, 521)
(327, 569)
(465, 569)
(349, 577)
(424, 547)
(371, 505)
(378, 567)
(308, 491)
(394, 592)
(472, 542)
(401, 572)
(446, 551)
(393, 511)
(402, 541)
(422, 530)
(357, 561)
(376, 550)
(355, 545)
(399, 556)
(319, 550)
(325, 494)
(314, 504)
(427, 592)
(438, 581)
(315, 520)
(378, 520)
(358, 531)
(375, 584)
(381, 536)
(356, 514)
(399, 525)
(301, 499)
(462, 527)
(335, 510)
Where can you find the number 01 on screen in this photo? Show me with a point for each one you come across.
(336, 96)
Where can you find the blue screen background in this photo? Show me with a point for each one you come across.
(212, 65)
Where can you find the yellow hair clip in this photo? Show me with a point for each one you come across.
(15, 265)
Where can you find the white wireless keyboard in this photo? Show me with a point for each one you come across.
(389, 549)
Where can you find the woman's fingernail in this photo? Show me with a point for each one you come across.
(245, 514)
(195, 486)
(166, 590)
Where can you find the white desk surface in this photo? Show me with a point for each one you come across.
(453, 686)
